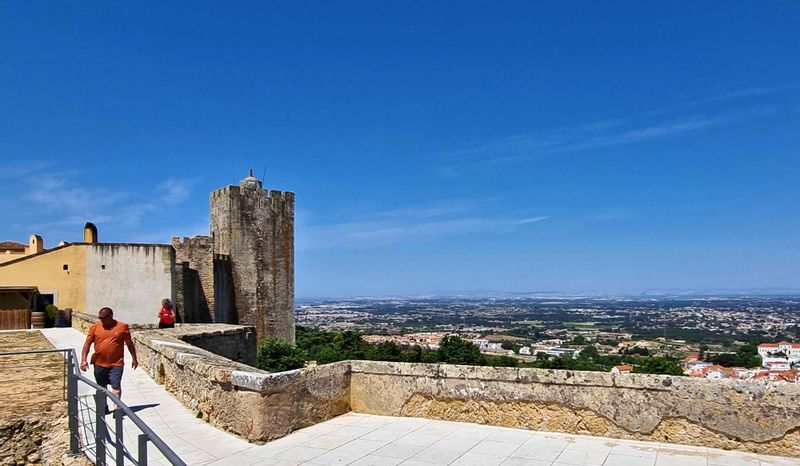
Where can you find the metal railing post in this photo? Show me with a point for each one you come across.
(72, 404)
(143, 439)
(67, 365)
(77, 421)
(100, 429)
(119, 455)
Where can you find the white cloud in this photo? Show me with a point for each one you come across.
(528, 220)
(631, 129)
(57, 204)
(405, 224)
(175, 190)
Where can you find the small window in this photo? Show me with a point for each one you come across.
(66, 266)
(103, 266)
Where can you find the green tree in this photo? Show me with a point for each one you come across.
(454, 350)
(509, 346)
(501, 361)
(579, 340)
(748, 356)
(386, 351)
(277, 355)
(327, 354)
(430, 357)
(413, 355)
(725, 359)
(745, 356)
(702, 353)
(658, 365)
(352, 346)
(589, 352)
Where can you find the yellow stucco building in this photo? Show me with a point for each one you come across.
(60, 271)
(130, 278)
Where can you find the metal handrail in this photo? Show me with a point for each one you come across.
(101, 395)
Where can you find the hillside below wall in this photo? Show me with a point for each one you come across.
(761, 417)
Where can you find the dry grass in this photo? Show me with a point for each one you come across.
(29, 384)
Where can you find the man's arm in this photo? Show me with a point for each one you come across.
(85, 352)
(132, 349)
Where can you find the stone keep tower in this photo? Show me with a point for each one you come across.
(254, 227)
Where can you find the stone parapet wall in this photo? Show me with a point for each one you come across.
(82, 321)
(254, 404)
(761, 417)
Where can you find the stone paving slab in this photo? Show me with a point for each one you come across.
(363, 440)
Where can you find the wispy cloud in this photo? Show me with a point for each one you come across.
(59, 194)
(14, 171)
(528, 220)
(56, 204)
(406, 224)
(605, 133)
(632, 129)
(175, 190)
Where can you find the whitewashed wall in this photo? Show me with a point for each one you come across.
(132, 279)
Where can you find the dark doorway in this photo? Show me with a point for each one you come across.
(44, 300)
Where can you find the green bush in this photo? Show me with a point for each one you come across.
(277, 355)
(657, 365)
(501, 361)
(52, 311)
(454, 350)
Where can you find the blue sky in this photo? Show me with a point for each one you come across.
(433, 146)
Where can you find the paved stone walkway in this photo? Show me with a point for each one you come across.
(361, 439)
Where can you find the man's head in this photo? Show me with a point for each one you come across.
(105, 314)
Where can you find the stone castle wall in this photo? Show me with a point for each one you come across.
(194, 259)
(255, 228)
(238, 398)
(756, 416)
(762, 417)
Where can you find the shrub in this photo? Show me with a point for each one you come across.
(657, 365)
(52, 311)
(277, 355)
(454, 350)
(501, 361)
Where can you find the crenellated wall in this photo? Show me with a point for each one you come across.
(194, 296)
(758, 416)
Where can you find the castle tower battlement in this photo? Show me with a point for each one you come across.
(254, 227)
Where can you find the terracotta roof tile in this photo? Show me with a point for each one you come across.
(11, 246)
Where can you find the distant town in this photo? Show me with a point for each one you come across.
(753, 338)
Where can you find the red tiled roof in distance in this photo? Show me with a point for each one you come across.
(12, 246)
(781, 343)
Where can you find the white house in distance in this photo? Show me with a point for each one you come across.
(770, 353)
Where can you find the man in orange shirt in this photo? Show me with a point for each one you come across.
(109, 337)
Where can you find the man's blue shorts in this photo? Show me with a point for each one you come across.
(108, 376)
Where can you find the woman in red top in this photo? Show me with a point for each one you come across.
(166, 316)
